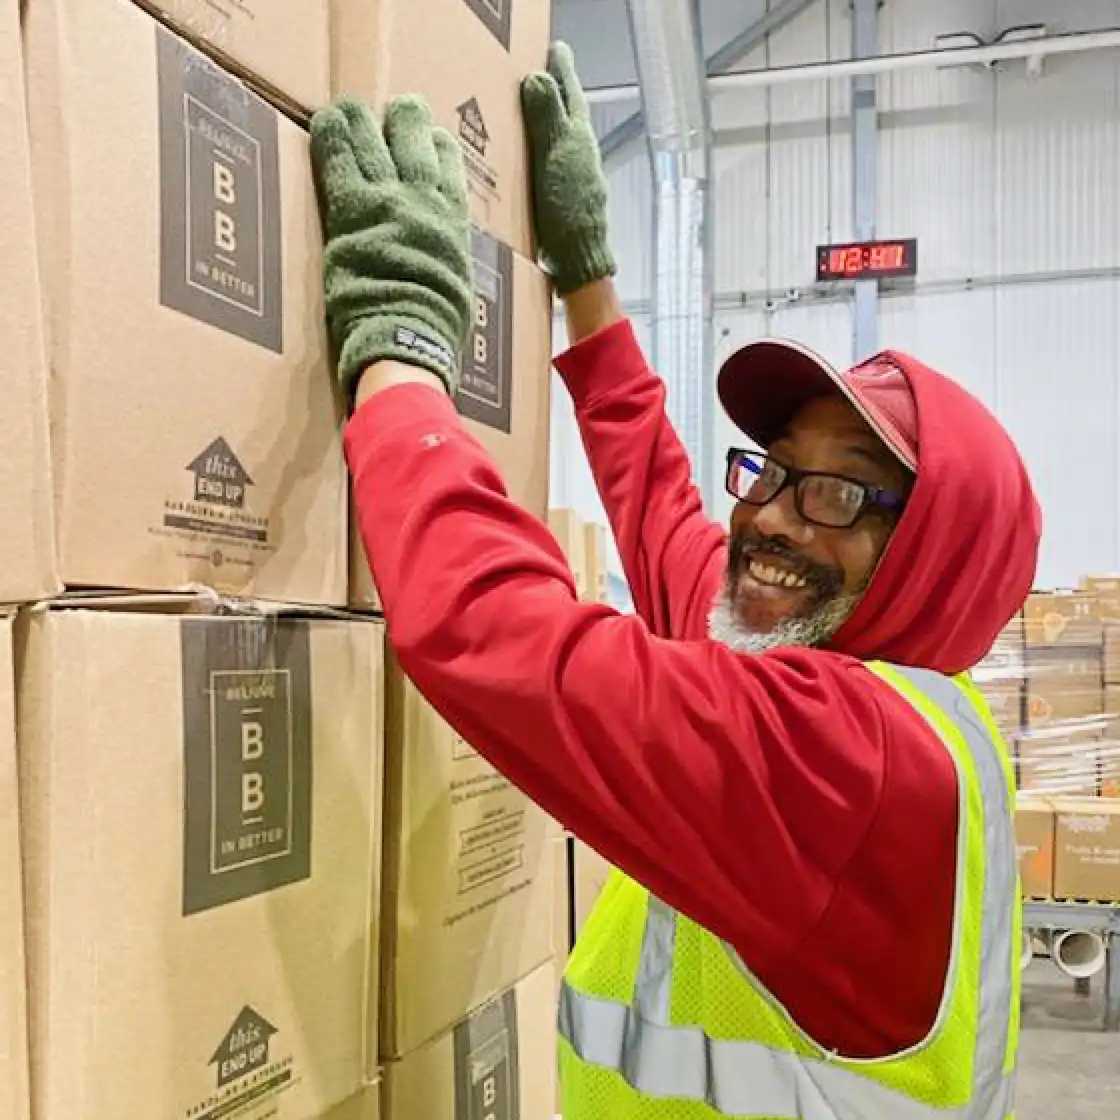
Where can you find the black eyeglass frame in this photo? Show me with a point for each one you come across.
(874, 497)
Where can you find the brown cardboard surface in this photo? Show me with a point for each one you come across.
(591, 872)
(1106, 590)
(568, 528)
(195, 416)
(595, 556)
(1087, 850)
(1061, 618)
(498, 1064)
(1062, 683)
(283, 46)
(504, 399)
(15, 1100)
(27, 547)
(468, 894)
(1034, 839)
(1112, 652)
(1060, 760)
(447, 51)
(163, 919)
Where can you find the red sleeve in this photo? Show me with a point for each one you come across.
(739, 789)
(673, 555)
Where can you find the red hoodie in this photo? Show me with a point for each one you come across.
(791, 803)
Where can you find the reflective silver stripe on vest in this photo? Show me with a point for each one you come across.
(741, 1078)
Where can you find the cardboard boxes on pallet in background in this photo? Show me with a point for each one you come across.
(498, 1061)
(27, 549)
(504, 396)
(196, 425)
(201, 806)
(15, 1099)
(1087, 849)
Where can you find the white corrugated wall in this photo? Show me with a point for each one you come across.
(1011, 185)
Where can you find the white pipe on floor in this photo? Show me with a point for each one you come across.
(1069, 43)
(1026, 953)
(1079, 954)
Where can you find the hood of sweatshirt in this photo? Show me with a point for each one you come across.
(962, 558)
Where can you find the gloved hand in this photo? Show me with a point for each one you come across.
(569, 188)
(397, 265)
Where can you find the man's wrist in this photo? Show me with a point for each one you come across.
(592, 308)
(387, 373)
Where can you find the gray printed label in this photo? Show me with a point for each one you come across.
(496, 15)
(485, 391)
(486, 1063)
(220, 255)
(247, 757)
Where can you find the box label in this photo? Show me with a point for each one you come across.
(247, 757)
(485, 392)
(496, 15)
(474, 142)
(486, 1063)
(220, 255)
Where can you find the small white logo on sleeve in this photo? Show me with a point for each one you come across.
(424, 347)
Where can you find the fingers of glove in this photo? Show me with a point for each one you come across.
(542, 103)
(562, 66)
(452, 177)
(408, 129)
(370, 148)
(332, 153)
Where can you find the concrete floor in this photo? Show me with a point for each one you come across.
(1068, 1068)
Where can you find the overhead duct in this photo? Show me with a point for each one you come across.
(670, 63)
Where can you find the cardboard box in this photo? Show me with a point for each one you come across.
(15, 1099)
(467, 58)
(1059, 761)
(568, 528)
(595, 553)
(1112, 652)
(504, 397)
(191, 786)
(562, 879)
(196, 420)
(499, 1063)
(591, 872)
(468, 901)
(1105, 590)
(1087, 850)
(27, 551)
(1067, 618)
(281, 46)
(1034, 839)
(1063, 684)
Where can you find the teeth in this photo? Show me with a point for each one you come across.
(765, 573)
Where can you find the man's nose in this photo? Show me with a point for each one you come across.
(779, 518)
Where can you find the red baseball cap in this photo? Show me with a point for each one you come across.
(762, 385)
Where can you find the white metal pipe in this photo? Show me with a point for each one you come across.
(1078, 953)
(1026, 953)
(1068, 43)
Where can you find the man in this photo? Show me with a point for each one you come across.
(816, 914)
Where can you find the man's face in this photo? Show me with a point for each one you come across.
(833, 566)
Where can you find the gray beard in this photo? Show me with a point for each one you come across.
(814, 629)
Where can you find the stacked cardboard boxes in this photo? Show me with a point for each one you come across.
(191, 785)
(1034, 838)
(1087, 849)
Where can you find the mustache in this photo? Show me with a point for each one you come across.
(824, 579)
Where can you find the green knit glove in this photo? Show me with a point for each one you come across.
(569, 188)
(397, 265)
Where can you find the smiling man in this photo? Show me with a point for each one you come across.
(815, 915)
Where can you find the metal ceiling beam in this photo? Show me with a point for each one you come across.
(622, 140)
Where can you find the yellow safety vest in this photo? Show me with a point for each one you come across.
(661, 1020)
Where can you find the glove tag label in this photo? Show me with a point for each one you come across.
(423, 346)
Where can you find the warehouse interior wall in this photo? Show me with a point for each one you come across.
(1010, 183)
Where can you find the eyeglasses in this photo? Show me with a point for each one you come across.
(830, 500)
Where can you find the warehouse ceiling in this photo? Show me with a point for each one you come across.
(599, 32)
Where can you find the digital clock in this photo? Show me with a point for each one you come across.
(867, 260)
